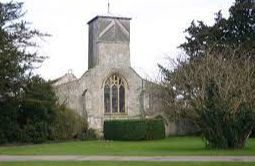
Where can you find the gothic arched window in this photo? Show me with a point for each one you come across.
(114, 95)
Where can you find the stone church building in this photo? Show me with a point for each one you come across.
(110, 88)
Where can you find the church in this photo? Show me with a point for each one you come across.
(110, 88)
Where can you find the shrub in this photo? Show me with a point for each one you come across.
(155, 129)
(67, 125)
(34, 133)
(8, 122)
(37, 117)
(124, 129)
(223, 127)
(42, 116)
(131, 130)
(224, 130)
(88, 134)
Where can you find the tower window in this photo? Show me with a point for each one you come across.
(114, 95)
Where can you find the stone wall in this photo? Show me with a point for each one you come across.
(85, 95)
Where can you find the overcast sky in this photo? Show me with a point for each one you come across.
(156, 29)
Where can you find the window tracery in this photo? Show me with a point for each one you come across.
(114, 95)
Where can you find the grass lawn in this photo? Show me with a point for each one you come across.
(100, 163)
(166, 147)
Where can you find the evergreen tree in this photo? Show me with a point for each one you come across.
(234, 33)
(16, 58)
(17, 39)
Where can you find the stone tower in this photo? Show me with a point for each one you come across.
(109, 39)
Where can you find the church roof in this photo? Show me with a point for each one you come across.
(68, 77)
(108, 16)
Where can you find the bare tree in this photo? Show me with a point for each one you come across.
(217, 94)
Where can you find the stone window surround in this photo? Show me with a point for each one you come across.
(121, 81)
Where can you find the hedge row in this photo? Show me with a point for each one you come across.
(131, 130)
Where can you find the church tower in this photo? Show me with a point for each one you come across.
(109, 38)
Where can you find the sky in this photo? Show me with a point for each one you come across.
(157, 29)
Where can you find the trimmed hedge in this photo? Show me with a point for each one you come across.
(133, 130)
